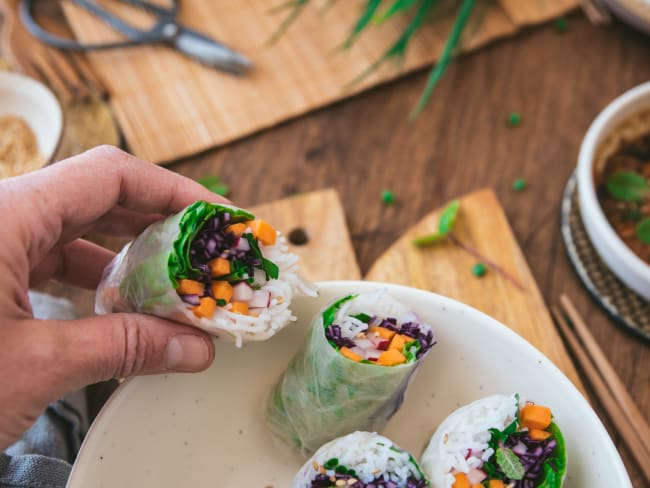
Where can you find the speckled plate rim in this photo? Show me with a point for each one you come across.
(579, 267)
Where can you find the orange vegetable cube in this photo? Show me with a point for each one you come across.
(538, 435)
(219, 266)
(477, 485)
(495, 484)
(205, 308)
(391, 358)
(263, 231)
(348, 353)
(190, 287)
(461, 481)
(397, 342)
(535, 416)
(222, 290)
(382, 332)
(240, 308)
(237, 229)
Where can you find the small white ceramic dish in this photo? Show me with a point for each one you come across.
(36, 104)
(207, 429)
(627, 266)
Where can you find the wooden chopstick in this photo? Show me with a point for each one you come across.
(629, 428)
(606, 371)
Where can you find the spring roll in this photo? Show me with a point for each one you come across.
(351, 373)
(213, 266)
(360, 460)
(497, 442)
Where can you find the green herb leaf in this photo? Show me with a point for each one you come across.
(643, 230)
(330, 312)
(331, 463)
(510, 464)
(215, 185)
(627, 186)
(221, 302)
(363, 317)
(269, 267)
(448, 217)
(410, 351)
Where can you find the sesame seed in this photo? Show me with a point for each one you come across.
(340, 483)
(315, 465)
(352, 481)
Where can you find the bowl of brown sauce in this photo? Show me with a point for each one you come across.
(31, 124)
(614, 187)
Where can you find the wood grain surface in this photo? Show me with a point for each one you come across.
(169, 106)
(557, 81)
(445, 268)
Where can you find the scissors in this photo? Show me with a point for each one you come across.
(166, 30)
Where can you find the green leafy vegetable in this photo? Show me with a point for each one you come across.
(363, 317)
(643, 230)
(446, 224)
(193, 218)
(509, 463)
(410, 350)
(330, 312)
(331, 463)
(627, 186)
(215, 185)
(270, 268)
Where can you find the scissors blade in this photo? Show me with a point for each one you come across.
(210, 52)
(112, 20)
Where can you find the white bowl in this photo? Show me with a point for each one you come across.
(34, 102)
(207, 429)
(629, 267)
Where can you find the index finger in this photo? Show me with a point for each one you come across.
(68, 197)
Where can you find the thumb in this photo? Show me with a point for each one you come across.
(122, 345)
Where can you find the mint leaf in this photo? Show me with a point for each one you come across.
(643, 230)
(510, 463)
(448, 217)
(215, 185)
(627, 186)
(410, 351)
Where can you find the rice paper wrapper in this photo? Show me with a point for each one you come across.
(323, 395)
(371, 458)
(138, 280)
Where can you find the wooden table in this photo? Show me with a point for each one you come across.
(558, 82)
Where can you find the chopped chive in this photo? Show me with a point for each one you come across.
(387, 197)
(519, 184)
(479, 270)
(514, 119)
(221, 302)
(561, 24)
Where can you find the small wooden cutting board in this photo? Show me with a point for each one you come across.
(446, 269)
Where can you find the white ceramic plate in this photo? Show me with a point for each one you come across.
(206, 429)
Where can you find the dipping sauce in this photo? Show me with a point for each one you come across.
(18, 147)
(626, 150)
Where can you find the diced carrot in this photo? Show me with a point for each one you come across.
(535, 416)
(397, 342)
(348, 353)
(383, 332)
(222, 290)
(477, 485)
(538, 435)
(240, 308)
(461, 481)
(495, 484)
(237, 229)
(205, 308)
(190, 287)
(263, 231)
(391, 358)
(219, 266)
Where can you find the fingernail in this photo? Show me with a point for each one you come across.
(186, 352)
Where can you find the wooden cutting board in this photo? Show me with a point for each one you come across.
(169, 106)
(446, 269)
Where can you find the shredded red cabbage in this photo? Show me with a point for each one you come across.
(537, 453)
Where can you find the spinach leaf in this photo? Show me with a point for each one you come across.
(627, 186)
(330, 312)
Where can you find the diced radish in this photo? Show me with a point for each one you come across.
(242, 244)
(475, 475)
(383, 345)
(364, 343)
(259, 276)
(260, 299)
(520, 448)
(374, 339)
(372, 355)
(358, 351)
(241, 292)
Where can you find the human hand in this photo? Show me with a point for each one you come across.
(44, 215)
